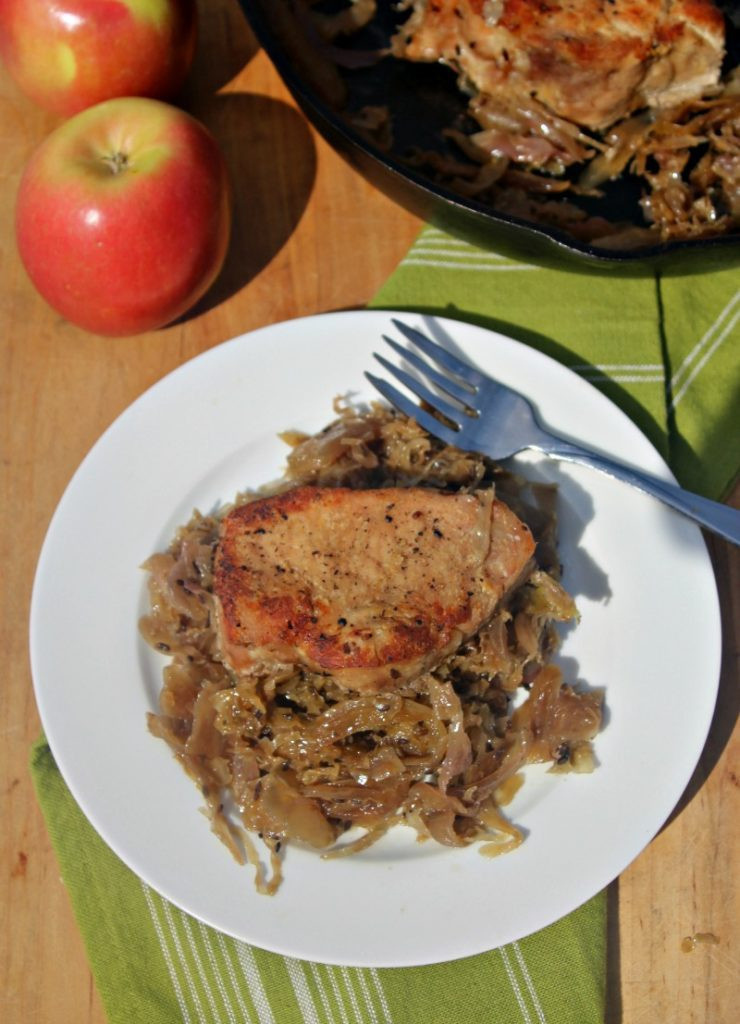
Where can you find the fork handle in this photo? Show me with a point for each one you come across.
(721, 519)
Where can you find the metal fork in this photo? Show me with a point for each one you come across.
(497, 421)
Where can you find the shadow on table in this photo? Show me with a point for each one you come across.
(226, 44)
(613, 1007)
(271, 160)
(724, 557)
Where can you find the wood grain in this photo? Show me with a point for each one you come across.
(300, 214)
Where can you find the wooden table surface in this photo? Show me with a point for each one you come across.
(300, 213)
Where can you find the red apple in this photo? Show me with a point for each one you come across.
(70, 54)
(122, 216)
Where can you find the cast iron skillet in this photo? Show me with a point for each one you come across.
(424, 99)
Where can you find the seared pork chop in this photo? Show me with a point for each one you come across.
(590, 61)
(367, 586)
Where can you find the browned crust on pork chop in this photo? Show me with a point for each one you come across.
(368, 586)
(591, 61)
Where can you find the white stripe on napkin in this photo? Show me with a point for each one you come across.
(352, 995)
(462, 254)
(168, 959)
(322, 994)
(299, 981)
(411, 261)
(518, 995)
(197, 960)
(360, 974)
(216, 972)
(458, 254)
(226, 955)
(529, 982)
(381, 994)
(254, 981)
(604, 367)
(338, 995)
(594, 375)
(678, 384)
(165, 918)
(177, 946)
(219, 983)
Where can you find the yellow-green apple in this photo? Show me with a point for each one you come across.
(123, 215)
(66, 55)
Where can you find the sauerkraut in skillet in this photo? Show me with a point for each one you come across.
(406, 680)
(563, 98)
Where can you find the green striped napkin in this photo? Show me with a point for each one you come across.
(663, 347)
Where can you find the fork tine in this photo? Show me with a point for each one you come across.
(462, 394)
(440, 355)
(451, 412)
(424, 419)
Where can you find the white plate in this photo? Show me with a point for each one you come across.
(649, 634)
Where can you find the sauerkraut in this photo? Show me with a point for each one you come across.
(292, 757)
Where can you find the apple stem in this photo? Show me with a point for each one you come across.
(116, 162)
